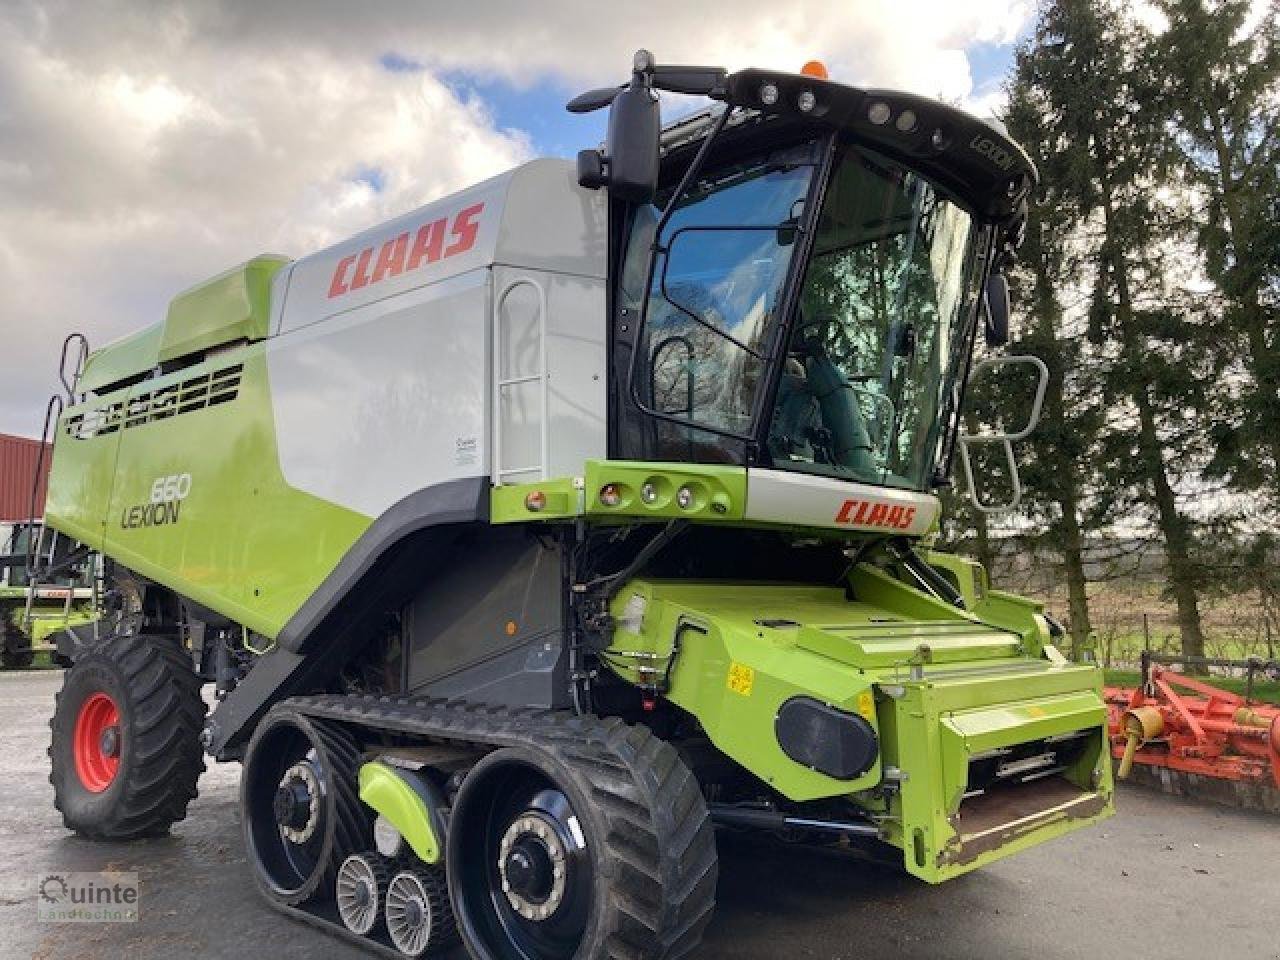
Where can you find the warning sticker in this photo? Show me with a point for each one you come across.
(741, 679)
(867, 705)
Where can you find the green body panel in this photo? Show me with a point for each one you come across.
(934, 726)
(235, 305)
(733, 673)
(83, 469)
(386, 792)
(127, 357)
(242, 541)
(563, 498)
(939, 685)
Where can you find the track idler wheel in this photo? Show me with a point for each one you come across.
(300, 806)
(598, 848)
(418, 915)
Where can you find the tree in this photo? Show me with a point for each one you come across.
(1061, 455)
(1100, 98)
(1224, 89)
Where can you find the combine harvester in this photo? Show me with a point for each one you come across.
(533, 534)
(1192, 738)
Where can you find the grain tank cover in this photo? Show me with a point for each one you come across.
(233, 306)
(121, 361)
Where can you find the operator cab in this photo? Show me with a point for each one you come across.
(801, 287)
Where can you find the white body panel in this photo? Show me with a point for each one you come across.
(777, 497)
(386, 399)
(383, 366)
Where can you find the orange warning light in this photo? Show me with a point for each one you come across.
(815, 68)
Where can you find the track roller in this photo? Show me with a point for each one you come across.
(360, 891)
(418, 914)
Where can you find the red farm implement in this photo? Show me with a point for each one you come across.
(1189, 733)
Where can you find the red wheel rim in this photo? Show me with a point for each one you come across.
(96, 742)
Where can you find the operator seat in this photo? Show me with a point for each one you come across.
(815, 400)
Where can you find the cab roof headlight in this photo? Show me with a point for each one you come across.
(685, 498)
(610, 495)
(879, 113)
(649, 492)
(806, 101)
(535, 501)
(907, 121)
(769, 94)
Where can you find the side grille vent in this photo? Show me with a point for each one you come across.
(186, 396)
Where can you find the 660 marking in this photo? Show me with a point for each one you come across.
(165, 505)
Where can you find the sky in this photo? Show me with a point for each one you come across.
(147, 146)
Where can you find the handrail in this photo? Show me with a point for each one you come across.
(499, 383)
(81, 355)
(52, 414)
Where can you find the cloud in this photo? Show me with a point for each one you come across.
(144, 147)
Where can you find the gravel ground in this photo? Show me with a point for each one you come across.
(1165, 878)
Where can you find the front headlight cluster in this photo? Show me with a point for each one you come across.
(659, 493)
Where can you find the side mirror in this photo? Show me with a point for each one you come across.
(631, 148)
(995, 302)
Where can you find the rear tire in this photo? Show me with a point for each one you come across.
(126, 750)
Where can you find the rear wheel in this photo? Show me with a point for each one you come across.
(126, 753)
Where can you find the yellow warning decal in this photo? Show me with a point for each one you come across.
(741, 679)
(867, 705)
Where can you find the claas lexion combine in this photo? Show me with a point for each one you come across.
(532, 536)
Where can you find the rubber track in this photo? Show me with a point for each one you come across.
(167, 759)
(660, 839)
(351, 817)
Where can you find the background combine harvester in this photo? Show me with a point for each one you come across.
(37, 612)
(1192, 737)
(531, 535)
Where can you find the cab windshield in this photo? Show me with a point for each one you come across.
(877, 331)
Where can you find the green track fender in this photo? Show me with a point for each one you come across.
(408, 801)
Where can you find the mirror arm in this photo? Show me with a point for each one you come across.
(655, 247)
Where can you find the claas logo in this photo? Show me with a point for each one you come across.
(410, 250)
(871, 513)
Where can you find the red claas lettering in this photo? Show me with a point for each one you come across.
(407, 251)
(867, 513)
